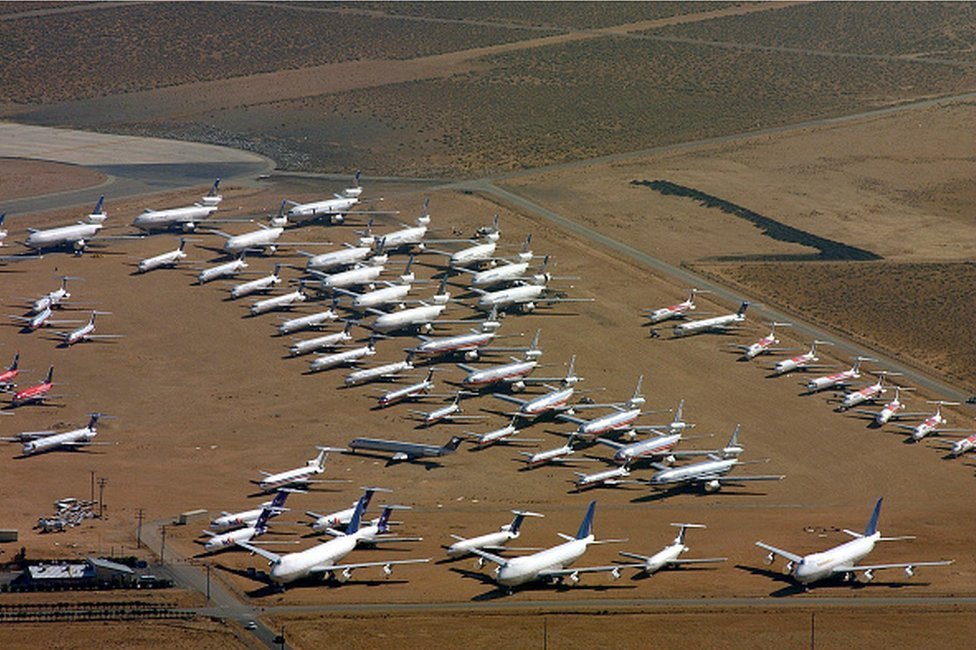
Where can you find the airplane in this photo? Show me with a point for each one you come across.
(961, 446)
(3, 231)
(892, 410)
(556, 400)
(710, 474)
(335, 209)
(322, 559)
(450, 412)
(800, 362)
(376, 531)
(411, 237)
(405, 451)
(41, 319)
(843, 560)
(284, 301)
(384, 371)
(86, 332)
(670, 556)
(422, 317)
(838, 378)
(264, 283)
(713, 324)
(677, 425)
(265, 239)
(480, 251)
(74, 237)
(36, 442)
(612, 477)
(512, 374)
(510, 271)
(224, 270)
(334, 520)
(309, 321)
(679, 310)
(326, 361)
(393, 293)
(470, 345)
(504, 435)
(932, 424)
(622, 419)
(223, 541)
(306, 346)
(7, 376)
(36, 393)
(359, 274)
(413, 391)
(168, 259)
(54, 298)
(184, 219)
(490, 541)
(343, 257)
(298, 478)
(763, 345)
(551, 564)
(655, 446)
(862, 395)
(522, 297)
(230, 520)
(557, 455)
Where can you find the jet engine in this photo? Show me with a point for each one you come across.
(713, 486)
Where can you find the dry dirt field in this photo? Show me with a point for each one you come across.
(22, 178)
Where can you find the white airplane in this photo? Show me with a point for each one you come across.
(556, 400)
(300, 477)
(521, 296)
(504, 435)
(53, 299)
(308, 321)
(284, 301)
(224, 270)
(223, 541)
(512, 374)
(892, 410)
(491, 541)
(3, 231)
(803, 361)
(230, 520)
(843, 560)
(86, 332)
(611, 477)
(862, 395)
(265, 239)
(41, 319)
(713, 324)
(763, 345)
(392, 294)
(410, 237)
(335, 520)
(184, 219)
(470, 345)
(383, 371)
(670, 556)
(168, 259)
(326, 361)
(653, 447)
(413, 391)
(838, 378)
(343, 257)
(10, 373)
(358, 275)
(422, 317)
(335, 209)
(405, 451)
(511, 271)
(36, 442)
(305, 346)
(963, 445)
(710, 474)
(75, 237)
(551, 564)
(264, 283)
(480, 252)
(932, 425)
(622, 419)
(324, 559)
(451, 412)
(679, 310)
(676, 425)
(558, 455)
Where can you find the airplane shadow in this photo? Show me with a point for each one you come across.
(694, 491)
(498, 592)
(428, 464)
(836, 582)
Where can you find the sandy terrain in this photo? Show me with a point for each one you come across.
(111, 634)
(33, 177)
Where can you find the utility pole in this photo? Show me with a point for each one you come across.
(101, 493)
(813, 627)
(162, 548)
(139, 516)
(91, 496)
(208, 582)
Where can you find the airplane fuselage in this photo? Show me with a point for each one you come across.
(263, 238)
(673, 311)
(284, 301)
(794, 363)
(649, 448)
(612, 422)
(221, 271)
(708, 324)
(341, 257)
(509, 372)
(527, 568)
(549, 455)
(293, 477)
(407, 392)
(351, 278)
(818, 566)
(69, 438)
(521, 295)
(319, 342)
(32, 394)
(411, 317)
(384, 296)
(478, 253)
(606, 477)
(306, 322)
(158, 261)
(694, 471)
(295, 566)
(463, 547)
(254, 286)
(499, 274)
(74, 236)
(369, 374)
(860, 396)
(452, 344)
(347, 356)
(552, 401)
(829, 381)
(183, 218)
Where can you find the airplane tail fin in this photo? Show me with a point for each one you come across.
(50, 375)
(261, 525)
(93, 421)
(383, 525)
(586, 527)
(533, 349)
(453, 443)
(570, 377)
(355, 178)
(430, 375)
(734, 440)
(98, 206)
(742, 308)
(680, 539)
(520, 516)
(214, 188)
(357, 516)
(678, 414)
(872, 526)
(525, 246)
(319, 461)
(13, 365)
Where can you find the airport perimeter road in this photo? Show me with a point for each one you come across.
(764, 313)
(135, 166)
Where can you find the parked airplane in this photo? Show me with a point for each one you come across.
(480, 252)
(394, 293)
(405, 451)
(710, 474)
(504, 435)
(223, 270)
(612, 477)
(306, 346)
(803, 361)
(223, 541)
(556, 400)
(300, 477)
(677, 425)
(74, 237)
(168, 259)
(408, 237)
(679, 310)
(422, 318)
(36, 393)
(184, 219)
(334, 209)
(511, 374)
(344, 257)
(866, 394)
(490, 541)
(3, 231)
(511, 271)
(763, 345)
(309, 321)
(284, 301)
(552, 564)
(932, 425)
(326, 361)
(622, 419)
(86, 332)
(36, 442)
(324, 558)
(7, 376)
(383, 371)
(340, 518)
(413, 391)
(471, 345)
(670, 556)
(53, 299)
(264, 283)
(230, 520)
(843, 560)
(891, 411)
(525, 297)
(713, 324)
(358, 275)
(41, 319)
(450, 412)
(557, 455)
(838, 378)
(961, 446)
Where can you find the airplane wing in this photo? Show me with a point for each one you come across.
(900, 565)
(556, 573)
(28, 435)
(697, 560)
(363, 565)
(271, 557)
(391, 538)
(491, 557)
(792, 557)
(106, 336)
(737, 479)
(569, 418)
(509, 398)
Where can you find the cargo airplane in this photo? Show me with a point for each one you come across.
(490, 541)
(670, 556)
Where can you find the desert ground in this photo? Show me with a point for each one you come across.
(203, 400)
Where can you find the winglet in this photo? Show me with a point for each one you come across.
(873, 522)
(586, 527)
